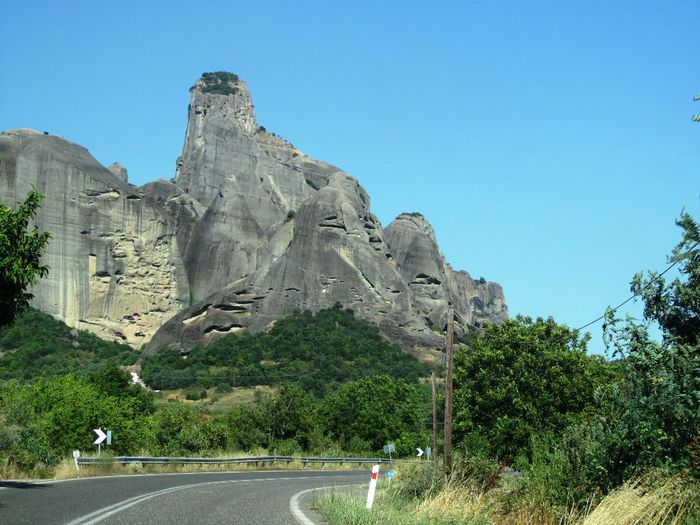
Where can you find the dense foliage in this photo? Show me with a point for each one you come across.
(42, 421)
(521, 379)
(318, 351)
(576, 425)
(220, 83)
(21, 248)
(374, 411)
(61, 383)
(36, 345)
(656, 412)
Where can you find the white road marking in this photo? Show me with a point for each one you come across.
(105, 512)
(296, 511)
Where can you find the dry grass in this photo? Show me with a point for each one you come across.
(219, 401)
(651, 500)
(454, 504)
(648, 501)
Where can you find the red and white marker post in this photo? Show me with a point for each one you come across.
(372, 486)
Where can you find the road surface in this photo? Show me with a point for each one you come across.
(238, 498)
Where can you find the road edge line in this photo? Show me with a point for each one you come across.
(298, 514)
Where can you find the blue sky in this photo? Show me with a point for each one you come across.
(550, 144)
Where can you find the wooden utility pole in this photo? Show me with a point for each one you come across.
(448, 393)
(435, 425)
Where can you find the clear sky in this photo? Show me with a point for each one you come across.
(550, 144)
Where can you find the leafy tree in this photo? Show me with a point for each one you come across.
(375, 410)
(287, 419)
(52, 416)
(21, 248)
(292, 414)
(675, 305)
(655, 415)
(521, 379)
(177, 428)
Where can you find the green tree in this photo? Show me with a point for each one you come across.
(522, 379)
(374, 411)
(675, 305)
(655, 415)
(21, 248)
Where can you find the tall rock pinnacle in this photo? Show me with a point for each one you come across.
(251, 230)
(248, 180)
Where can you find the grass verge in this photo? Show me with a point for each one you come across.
(653, 499)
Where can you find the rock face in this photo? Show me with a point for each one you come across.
(114, 259)
(251, 231)
(433, 282)
(337, 254)
(249, 182)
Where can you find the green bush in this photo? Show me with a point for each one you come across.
(376, 410)
(220, 83)
(195, 393)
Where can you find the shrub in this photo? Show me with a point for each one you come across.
(220, 83)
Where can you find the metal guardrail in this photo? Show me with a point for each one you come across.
(151, 460)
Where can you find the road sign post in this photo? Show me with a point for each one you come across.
(389, 448)
(101, 437)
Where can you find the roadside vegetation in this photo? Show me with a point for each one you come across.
(547, 434)
(478, 495)
(544, 433)
(61, 383)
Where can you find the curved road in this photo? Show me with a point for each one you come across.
(243, 498)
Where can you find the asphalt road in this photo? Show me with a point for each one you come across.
(239, 498)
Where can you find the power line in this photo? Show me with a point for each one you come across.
(640, 291)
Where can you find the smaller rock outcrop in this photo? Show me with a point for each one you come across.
(119, 171)
(433, 282)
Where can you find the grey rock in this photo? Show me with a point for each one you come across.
(113, 257)
(248, 180)
(251, 230)
(119, 171)
(433, 282)
(337, 255)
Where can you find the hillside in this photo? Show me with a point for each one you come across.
(37, 345)
(319, 352)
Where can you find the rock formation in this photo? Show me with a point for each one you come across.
(433, 282)
(113, 257)
(251, 230)
(248, 180)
